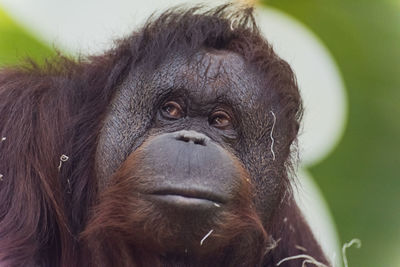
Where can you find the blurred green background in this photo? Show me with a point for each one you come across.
(17, 44)
(361, 178)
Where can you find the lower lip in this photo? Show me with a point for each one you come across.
(185, 202)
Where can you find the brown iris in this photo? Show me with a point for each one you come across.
(172, 110)
(221, 120)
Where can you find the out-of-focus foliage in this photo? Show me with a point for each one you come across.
(16, 44)
(361, 178)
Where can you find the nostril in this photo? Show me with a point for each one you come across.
(200, 142)
(187, 138)
(183, 138)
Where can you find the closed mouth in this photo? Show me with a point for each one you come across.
(193, 194)
(188, 198)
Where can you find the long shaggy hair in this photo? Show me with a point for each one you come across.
(57, 109)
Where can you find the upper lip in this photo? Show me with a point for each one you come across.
(191, 193)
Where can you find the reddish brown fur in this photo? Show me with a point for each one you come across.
(42, 118)
(137, 232)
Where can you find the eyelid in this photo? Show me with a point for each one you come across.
(225, 110)
(221, 112)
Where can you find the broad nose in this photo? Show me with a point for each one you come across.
(192, 136)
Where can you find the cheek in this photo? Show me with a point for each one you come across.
(269, 178)
(119, 136)
(269, 192)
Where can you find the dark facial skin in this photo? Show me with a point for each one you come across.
(196, 123)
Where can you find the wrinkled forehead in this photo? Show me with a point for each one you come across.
(210, 75)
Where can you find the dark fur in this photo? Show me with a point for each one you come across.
(57, 109)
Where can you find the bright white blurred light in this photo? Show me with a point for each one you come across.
(84, 26)
(316, 212)
(319, 80)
